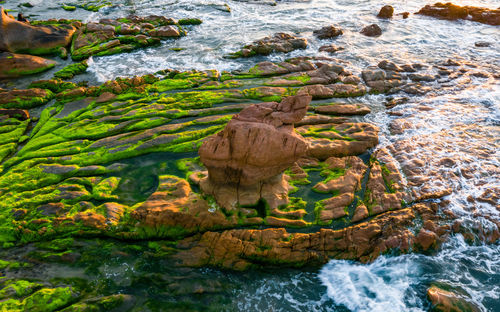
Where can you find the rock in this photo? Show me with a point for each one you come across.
(238, 249)
(279, 42)
(28, 98)
(165, 32)
(482, 44)
(346, 180)
(373, 74)
(405, 15)
(445, 11)
(448, 301)
(451, 11)
(174, 204)
(397, 101)
(343, 109)
(268, 69)
(372, 30)
(16, 65)
(422, 77)
(19, 114)
(257, 144)
(19, 37)
(320, 119)
(331, 48)
(338, 140)
(334, 90)
(426, 239)
(328, 32)
(380, 80)
(388, 65)
(386, 12)
(360, 213)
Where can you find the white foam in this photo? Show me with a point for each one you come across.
(397, 283)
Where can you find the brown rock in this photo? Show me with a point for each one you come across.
(240, 249)
(279, 42)
(331, 48)
(328, 32)
(16, 65)
(337, 140)
(426, 239)
(343, 109)
(174, 205)
(165, 32)
(372, 30)
(360, 213)
(19, 37)
(451, 11)
(20, 114)
(386, 12)
(257, 144)
(13, 97)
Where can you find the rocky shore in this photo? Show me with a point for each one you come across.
(268, 166)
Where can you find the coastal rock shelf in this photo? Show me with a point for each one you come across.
(265, 155)
(67, 174)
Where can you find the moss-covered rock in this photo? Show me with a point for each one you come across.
(71, 70)
(16, 65)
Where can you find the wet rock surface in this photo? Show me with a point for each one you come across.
(451, 11)
(21, 37)
(353, 174)
(328, 32)
(16, 65)
(277, 43)
(257, 144)
(386, 12)
(372, 30)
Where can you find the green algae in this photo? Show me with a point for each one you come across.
(190, 21)
(18, 289)
(15, 72)
(69, 7)
(25, 102)
(72, 70)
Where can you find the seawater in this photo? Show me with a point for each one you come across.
(464, 114)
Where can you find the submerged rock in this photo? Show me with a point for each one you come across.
(279, 42)
(448, 301)
(331, 48)
(372, 30)
(20, 37)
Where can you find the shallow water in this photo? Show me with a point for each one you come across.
(458, 119)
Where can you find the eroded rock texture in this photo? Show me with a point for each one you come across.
(257, 144)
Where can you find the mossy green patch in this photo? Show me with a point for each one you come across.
(71, 70)
(69, 7)
(190, 21)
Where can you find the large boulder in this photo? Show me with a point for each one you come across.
(21, 37)
(15, 65)
(257, 144)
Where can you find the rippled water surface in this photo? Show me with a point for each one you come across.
(458, 119)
